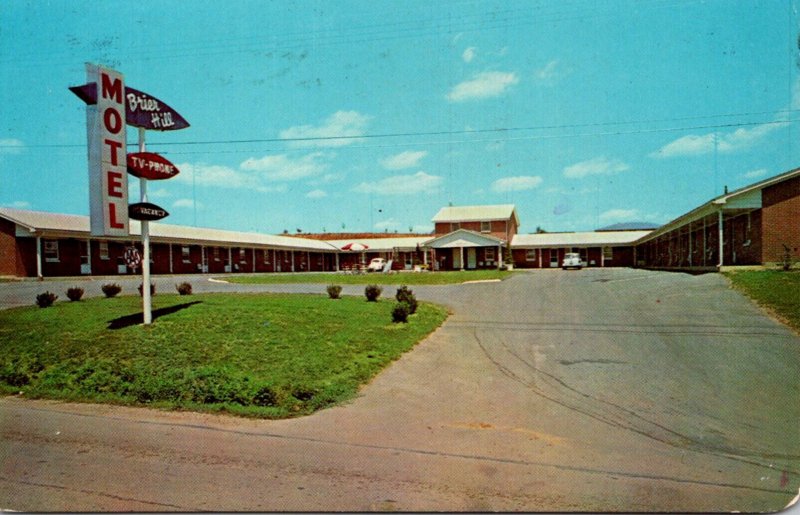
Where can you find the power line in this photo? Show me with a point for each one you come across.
(499, 130)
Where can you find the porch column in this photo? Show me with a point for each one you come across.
(721, 242)
(39, 257)
(461, 251)
(89, 254)
(424, 257)
(500, 257)
(230, 260)
(292, 261)
(690, 243)
(705, 241)
(308, 261)
(170, 258)
(337, 261)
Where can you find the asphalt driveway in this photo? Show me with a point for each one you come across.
(598, 390)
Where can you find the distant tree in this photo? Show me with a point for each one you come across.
(539, 230)
(286, 231)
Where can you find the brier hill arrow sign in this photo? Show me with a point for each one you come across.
(146, 211)
(149, 165)
(141, 109)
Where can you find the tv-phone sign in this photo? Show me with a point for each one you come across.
(108, 174)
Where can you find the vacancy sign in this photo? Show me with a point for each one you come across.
(108, 170)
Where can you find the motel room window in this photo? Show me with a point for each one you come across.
(186, 254)
(455, 226)
(530, 255)
(608, 254)
(215, 253)
(242, 256)
(486, 226)
(51, 251)
(266, 256)
(104, 250)
(489, 254)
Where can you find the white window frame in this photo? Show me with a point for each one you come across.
(486, 227)
(266, 256)
(608, 253)
(186, 253)
(50, 247)
(490, 254)
(103, 250)
(530, 257)
(215, 253)
(243, 256)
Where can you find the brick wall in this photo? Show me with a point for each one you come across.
(781, 221)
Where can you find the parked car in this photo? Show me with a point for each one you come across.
(376, 265)
(572, 260)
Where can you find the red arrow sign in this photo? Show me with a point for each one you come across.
(141, 109)
(148, 165)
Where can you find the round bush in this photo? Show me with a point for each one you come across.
(372, 292)
(334, 291)
(75, 294)
(400, 312)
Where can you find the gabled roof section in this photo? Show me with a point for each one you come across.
(78, 226)
(577, 239)
(476, 213)
(463, 238)
(746, 197)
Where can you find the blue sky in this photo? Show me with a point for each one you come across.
(363, 116)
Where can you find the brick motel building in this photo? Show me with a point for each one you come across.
(755, 225)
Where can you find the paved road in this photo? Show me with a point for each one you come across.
(598, 390)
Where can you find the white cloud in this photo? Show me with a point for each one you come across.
(549, 72)
(596, 166)
(10, 146)
(483, 85)
(345, 127)
(214, 175)
(281, 167)
(761, 172)
(20, 204)
(187, 202)
(619, 214)
(316, 194)
(469, 54)
(520, 183)
(419, 182)
(696, 145)
(407, 159)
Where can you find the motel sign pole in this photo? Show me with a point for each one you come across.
(147, 299)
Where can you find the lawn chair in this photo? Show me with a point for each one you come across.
(387, 268)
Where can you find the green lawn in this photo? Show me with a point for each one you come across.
(408, 278)
(263, 355)
(778, 291)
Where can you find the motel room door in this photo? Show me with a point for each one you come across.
(472, 258)
(456, 259)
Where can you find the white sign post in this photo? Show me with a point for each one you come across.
(147, 299)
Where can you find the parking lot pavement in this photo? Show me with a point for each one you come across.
(592, 390)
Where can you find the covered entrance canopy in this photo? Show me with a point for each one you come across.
(466, 249)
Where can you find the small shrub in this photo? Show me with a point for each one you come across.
(265, 396)
(400, 312)
(786, 258)
(407, 296)
(152, 289)
(334, 291)
(75, 294)
(372, 292)
(111, 290)
(184, 288)
(46, 299)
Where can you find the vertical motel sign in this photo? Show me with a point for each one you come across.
(108, 174)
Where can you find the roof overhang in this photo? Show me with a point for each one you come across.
(463, 238)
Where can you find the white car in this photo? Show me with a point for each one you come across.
(572, 260)
(376, 265)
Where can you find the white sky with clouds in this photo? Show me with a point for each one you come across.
(373, 115)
